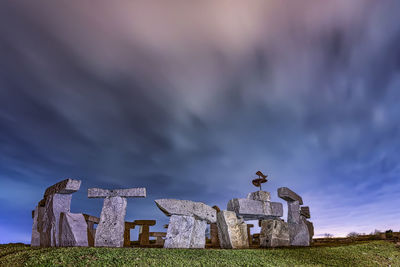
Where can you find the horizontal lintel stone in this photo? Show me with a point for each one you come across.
(67, 186)
(103, 193)
(288, 195)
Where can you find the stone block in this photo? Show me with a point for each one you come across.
(37, 219)
(110, 231)
(293, 212)
(288, 195)
(198, 239)
(68, 186)
(198, 210)
(103, 193)
(298, 233)
(310, 227)
(55, 204)
(232, 232)
(274, 233)
(251, 209)
(179, 233)
(73, 230)
(305, 211)
(260, 195)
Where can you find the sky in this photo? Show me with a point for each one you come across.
(190, 98)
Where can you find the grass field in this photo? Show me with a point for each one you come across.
(372, 253)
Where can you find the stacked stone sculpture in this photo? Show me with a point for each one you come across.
(46, 217)
(258, 206)
(299, 232)
(54, 225)
(188, 222)
(110, 231)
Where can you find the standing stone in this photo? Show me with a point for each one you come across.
(73, 230)
(37, 218)
(110, 231)
(55, 204)
(310, 227)
(111, 228)
(298, 230)
(232, 232)
(274, 233)
(299, 235)
(179, 233)
(293, 212)
(198, 239)
(57, 199)
(185, 232)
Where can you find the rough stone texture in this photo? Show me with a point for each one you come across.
(251, 209)
(198, 239)
(91, 221)
(305, 211)
(103, 193)
(288, 195)
(73, 230)
(274, 233)
(37, 218)
(199, 210)
(298, 233)
(110, 231)
(67, 186)
(260, 195)
(232, 232)
(49, 226)
(179, 233)
(310, 228)
(293, 212)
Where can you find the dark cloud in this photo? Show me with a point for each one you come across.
(190, 106)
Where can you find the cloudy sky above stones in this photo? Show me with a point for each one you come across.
(190, 98)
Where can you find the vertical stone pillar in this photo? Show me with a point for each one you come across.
(111, 228)
(298, 230)
(57, 199)
(232, 232)
(37, 218)
(73, 230)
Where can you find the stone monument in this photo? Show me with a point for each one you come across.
(110, 231)
(188, 222)
(46, 217)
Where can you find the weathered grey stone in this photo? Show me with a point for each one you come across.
(37, 218)
(199, 210)
(232, 232)
(103, 193)
(68, 186)
(251, 209)
(260, 195)
(310, 227)
(49, 225)
(288, 195)
(274, 233)
(73, 230)
(185, 232)
(305, 211)
(298, 233)
(198, 239)
(110, 231)
(293, 212)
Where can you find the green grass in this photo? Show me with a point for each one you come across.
(372, 253)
